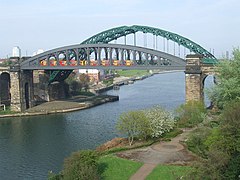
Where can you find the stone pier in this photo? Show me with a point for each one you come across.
(195, 75)
(21, 89)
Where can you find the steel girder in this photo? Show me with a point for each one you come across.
(50, 60)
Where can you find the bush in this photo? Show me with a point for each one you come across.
(233, 168)
(210, 168)
(191, 114)
(52, 176)
(153, 122)
(197, 141)
(81, 166)
(224, 148)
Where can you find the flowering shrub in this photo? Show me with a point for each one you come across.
(161, 121)
(153, 122)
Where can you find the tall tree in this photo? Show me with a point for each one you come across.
(228, 77)
(133, 124)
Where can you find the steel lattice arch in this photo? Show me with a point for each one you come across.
(115, 33)
(62, 61)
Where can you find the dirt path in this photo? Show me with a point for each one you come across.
(172, 152)
(143, 172)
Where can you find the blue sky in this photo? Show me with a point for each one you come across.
(48, 24)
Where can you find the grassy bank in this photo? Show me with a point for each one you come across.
(117, 168)
(168, 172)
(130, 73)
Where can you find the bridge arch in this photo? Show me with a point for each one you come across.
(62, 58)
(5, 97)
(115, 33)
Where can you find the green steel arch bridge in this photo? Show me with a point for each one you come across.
(61, 61)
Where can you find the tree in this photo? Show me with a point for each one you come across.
(228, 76)
(81, 165)
(161, 121)
(133, 124)
(84, 80)
(75, 87)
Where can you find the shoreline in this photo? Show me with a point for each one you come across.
(81, 106)
(130, 80)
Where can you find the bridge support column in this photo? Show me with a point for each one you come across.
(194, 78)
(21, 89)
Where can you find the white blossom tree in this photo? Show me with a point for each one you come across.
(161, 121)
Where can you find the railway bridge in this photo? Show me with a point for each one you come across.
(102, 51)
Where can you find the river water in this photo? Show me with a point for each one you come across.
(32, 146)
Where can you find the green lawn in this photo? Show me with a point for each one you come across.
(168, 172)
(115, 168)
(130, 73)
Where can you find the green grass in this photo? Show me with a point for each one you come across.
(130, 73)
(168, 172)
(114, 168)
(8, 111)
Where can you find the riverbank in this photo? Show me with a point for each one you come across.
(66, 105)
(82, 102)
(120, 81)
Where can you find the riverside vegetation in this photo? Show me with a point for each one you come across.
(215, 140)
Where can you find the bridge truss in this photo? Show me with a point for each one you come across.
(106, 56)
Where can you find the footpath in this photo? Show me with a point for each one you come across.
(171, 152)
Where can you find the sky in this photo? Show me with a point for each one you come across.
(48, 24)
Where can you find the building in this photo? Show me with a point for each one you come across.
(3, 61)
(16, 52)
(93, 74)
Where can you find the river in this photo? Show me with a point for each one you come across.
(32, 146)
